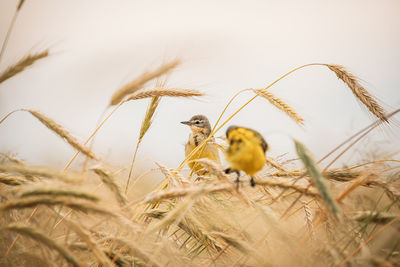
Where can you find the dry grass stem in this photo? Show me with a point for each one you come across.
(137, 251)
(181, 192)
(52, 201)
(374, 216)
(276, 165)
(336, 175)
(22, 64)
(236, 243)
(109, 181)
(10, 28)
(172, 176)
(146, 123)
(171, 92)
(213, 168)
(392, 192)
(60, 131)
(43, 239)
(92, 245)
(300, 189)
(13, 159)
(359, 181)
(176, 214)
(57, 193)
(278, 103)
(317, 177)
(4, 179)
(140, 81)
(21, 2)
(29, 171)
(360, 92)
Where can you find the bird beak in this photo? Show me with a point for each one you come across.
(186, 122)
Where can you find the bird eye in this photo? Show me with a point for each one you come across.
(197, 122)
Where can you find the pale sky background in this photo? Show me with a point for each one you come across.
(97, 46)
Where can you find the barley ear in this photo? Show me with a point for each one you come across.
(147, 121)
(317, 177)
(171, 92)
(280, 104)
(60, 131)
(22, 64)
(108, 181)
(140, 81)
(360, 92)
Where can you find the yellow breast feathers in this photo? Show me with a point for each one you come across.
(246, 150)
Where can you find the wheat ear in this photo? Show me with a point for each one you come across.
(22, 64)
(172, 92)
(108, 181)
(317, 177)
(140, 81)
(60, 131)
(280, 104)
(360, 92)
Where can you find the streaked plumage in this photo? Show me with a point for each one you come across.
(201, 129)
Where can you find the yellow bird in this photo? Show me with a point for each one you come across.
(201, 129)
(246, 151)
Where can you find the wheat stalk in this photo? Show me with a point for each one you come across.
(181, 192)
(108, 181)
(172, 92)
(270, 161)
(21, 2)
(317, 177)
(136, 250)
(360, 92)
(374, 216)
(175, 177)
(146, 123)
(177, 213)
(29, 171)
(140, 81)
(43, 239)
(214, 168)
(235, 242)
(60, 131)
(10, 28)
(4, 179)
(92, 245)
(305, 191)
(22, 64)
(52, 201)
(58, 193)
(13, 159)
(280, 104)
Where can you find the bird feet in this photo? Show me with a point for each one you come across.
(237, 181)
(252, 182)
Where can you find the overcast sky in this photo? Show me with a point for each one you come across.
(97, 46)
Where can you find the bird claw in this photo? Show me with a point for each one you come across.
(252, 182)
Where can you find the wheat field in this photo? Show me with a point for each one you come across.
(305, 214)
